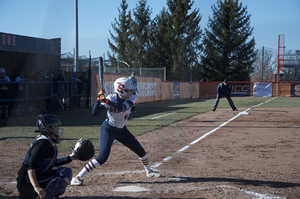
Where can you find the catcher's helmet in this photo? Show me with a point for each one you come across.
(49, 125)
(122, 84)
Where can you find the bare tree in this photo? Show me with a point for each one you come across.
(265, 65)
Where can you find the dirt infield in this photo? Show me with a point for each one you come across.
(250, 156)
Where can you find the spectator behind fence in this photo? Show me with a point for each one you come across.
(50, 77)
(20, 94)
(41, 91)
(80, 86)
(4, 94)
(74, 90)
(52, 71)
(31, 77)
(61, 88)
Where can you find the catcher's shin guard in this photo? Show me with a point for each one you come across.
(58, 184)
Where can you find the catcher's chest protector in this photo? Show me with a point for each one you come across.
(47, 164)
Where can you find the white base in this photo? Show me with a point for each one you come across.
(131, 189)
(244, 113)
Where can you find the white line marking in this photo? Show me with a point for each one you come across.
(163, 115)
(14, 182)
(157, 164)
(260, 196)
(155, 117)
(122, 172)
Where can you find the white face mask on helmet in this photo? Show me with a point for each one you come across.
(122, 84)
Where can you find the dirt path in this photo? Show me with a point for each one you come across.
(252, 156)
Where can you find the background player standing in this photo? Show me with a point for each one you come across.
(135, 92)
(224, 89)
(37, 178)
(118, 107)
(4, 92)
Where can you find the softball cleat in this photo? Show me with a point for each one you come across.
(153, 174)
(77, 181)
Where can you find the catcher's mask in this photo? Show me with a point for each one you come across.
(49, 125)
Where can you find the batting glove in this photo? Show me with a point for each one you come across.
(101, 97)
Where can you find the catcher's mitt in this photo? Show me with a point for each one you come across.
(84, 150)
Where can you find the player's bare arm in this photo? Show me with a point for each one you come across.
(32, 177)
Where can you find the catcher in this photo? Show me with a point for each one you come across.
(118, 107)
(37, 178)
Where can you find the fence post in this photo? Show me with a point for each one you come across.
(51, 95)
(26, 97)
(71, 95)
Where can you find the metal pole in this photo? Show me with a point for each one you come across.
(104, 62)
(191, 75)
(262, 65)
(88, 87)
(197, 89)
(118, 66)
(76, 38)
(298, 65)
(278, 59)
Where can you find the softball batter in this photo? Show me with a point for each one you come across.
(118, 108)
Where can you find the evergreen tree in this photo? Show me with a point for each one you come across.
(140, 35)
(185, 34)
(122, 39)
(159, 51)
(228, 50)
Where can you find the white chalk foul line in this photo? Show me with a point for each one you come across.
(205, 135)
(260, 196)
(155, 117)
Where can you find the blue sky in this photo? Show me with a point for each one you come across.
(50, 19)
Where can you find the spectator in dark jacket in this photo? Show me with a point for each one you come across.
(4, 92)
(224, 89)
(74, 89)
(80, 86)
(61, 88)
(20, 93)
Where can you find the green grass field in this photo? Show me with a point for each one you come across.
(143, 121)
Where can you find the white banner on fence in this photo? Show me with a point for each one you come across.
(262, 89)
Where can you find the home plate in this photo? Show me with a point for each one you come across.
(131, 189)
(244, 113)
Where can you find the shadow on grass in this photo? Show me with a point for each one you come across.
(83, 116)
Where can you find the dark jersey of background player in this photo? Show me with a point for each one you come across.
(224, 89)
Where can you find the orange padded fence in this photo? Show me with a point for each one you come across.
(153, 89)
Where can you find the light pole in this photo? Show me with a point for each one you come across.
(76, 38)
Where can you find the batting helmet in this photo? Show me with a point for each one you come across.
(122, 84)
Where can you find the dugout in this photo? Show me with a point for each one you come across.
(23, 53)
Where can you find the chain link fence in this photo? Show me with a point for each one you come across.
(67, 65)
